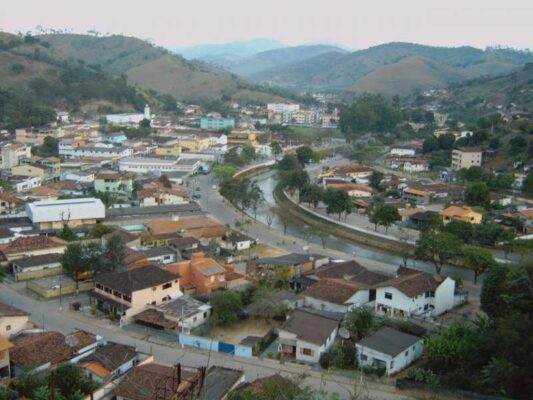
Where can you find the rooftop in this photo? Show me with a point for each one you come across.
(130, 281)
(389, 341)
(9, 311)
(35, 349)
(184, 306)
(309, 326)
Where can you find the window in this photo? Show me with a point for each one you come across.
(364, 357)
(306, 352)
(8, 327)
(407, 353)
(154, 288)
(153, 303)
(167, 285)
(205, 314)
(388, 295)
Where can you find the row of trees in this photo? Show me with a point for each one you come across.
(243, 193)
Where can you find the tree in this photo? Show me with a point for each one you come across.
(70, 380)
(163, 179)
(233, 157)
(227, 306)
(267, 304)
(491, 233)
(375, 180)
(438, 248)
(478, 194)
(304, 154)
(494, 289)
(518, 144)
(248, 154)
(256, 198)
(100, 230)
(289, 162)
(446, 141)
(430, 145)
(359, 321)
(311, 194)
(276, 149)
(67, 234)
(223, 171)
(385, 215)
(478, 260)
(114, 252)
(461, 229)
(71, 261)
(294, 180)
(337, 202)
(527, 185)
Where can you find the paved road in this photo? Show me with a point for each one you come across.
(47, 312)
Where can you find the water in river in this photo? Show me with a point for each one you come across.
(267, 182)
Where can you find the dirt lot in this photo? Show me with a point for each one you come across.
(237, 332)
(262, 250)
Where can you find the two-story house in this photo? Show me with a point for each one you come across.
(13, 320)
(200, 274)
(114, 182)
(130, 292)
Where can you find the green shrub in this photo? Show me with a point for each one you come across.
(270, 355)
(422, 375)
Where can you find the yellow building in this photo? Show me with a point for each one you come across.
(465, 214)
(242, 137)
(193, 143)
(42, 171)
(172, 151)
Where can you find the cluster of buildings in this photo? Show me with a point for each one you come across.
(293, 114)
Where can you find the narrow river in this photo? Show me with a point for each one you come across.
(267, 181)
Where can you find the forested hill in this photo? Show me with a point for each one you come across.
(154, 68)
(486, 96)
(34, 80)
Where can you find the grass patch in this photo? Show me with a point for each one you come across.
(316, 131)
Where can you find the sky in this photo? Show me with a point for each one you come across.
(353, 23)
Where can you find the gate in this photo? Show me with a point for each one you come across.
(226, 348)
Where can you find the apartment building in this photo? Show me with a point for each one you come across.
(466, 158)
(12, 153)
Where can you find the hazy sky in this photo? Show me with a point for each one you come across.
(354, 23)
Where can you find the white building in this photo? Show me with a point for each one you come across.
(282, 107)
(414, 292)
(27, 183)
(402, 151)
(389, 349)
(143, 165)
(130, 118)
(74, 212)
(307, 333)
(13, 152)
(78, 176)
(101, 152)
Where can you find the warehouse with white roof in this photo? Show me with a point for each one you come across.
(73, 212)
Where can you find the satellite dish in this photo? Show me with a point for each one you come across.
(343, 333)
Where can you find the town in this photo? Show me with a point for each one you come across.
(306, 246)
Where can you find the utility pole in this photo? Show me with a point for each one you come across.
(60, 298)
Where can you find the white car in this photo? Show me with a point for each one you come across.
(214, 187)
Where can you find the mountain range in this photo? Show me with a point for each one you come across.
(392, 68)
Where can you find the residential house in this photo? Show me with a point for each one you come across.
(114, 182)
(307, 333)
(221, 381)
(200, 274)
(109, 361)
(237, 241)
(24, 184)
(9, 204)
(160, 255)
(36, 266)
(155, 194)
(389, 349)
(38, 351)
(416, 293)
(216, 124)
(72, 212)
(460, 213)
(349, 172)
(32, 246)
(13, 320)
(172, 150)
(466, 157)
(164, 382)
(144, 165)
(294, 263)
(83, 342)
(202, 228)
(5, 362)
(526, 218)
(184, 313)
(354, 190)
(129, 239)
(417, 196)
(116, 137)
(129, 292)
(78, 176)
(43, 172)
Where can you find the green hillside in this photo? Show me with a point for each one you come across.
(34, 80)
(486, 96)
(154, 68)
(414, 72)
